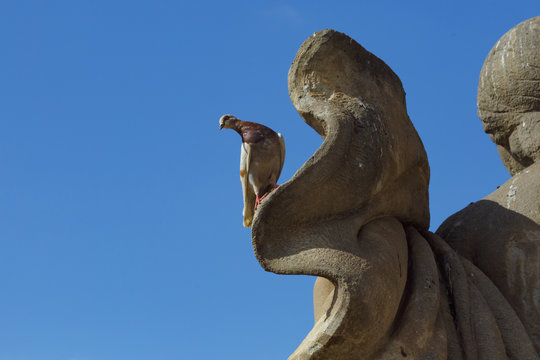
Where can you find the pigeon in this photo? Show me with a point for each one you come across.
(261, 159)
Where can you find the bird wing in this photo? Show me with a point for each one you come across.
(282, 154)
(247, 188)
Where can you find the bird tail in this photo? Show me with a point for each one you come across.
(249, 210)
(247, 189)
(248, 220)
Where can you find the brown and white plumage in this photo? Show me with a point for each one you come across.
(261, 159)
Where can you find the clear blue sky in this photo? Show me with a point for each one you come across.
(120, 221)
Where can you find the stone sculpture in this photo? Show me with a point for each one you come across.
(356, 215)
(501, 233)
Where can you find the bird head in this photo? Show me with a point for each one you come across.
(225, 121)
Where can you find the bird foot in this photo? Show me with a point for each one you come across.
(259, 199)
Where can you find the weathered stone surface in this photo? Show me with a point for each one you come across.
(371, 164)
(508, 95)
(501, 233)
(371, 149)
(356, 214)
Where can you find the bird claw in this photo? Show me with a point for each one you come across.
(259, 199)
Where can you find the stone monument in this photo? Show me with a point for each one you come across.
(500, 234)
(356, 215)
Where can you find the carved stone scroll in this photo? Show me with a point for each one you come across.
(356, 214)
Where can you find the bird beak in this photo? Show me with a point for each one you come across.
(220, 126)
